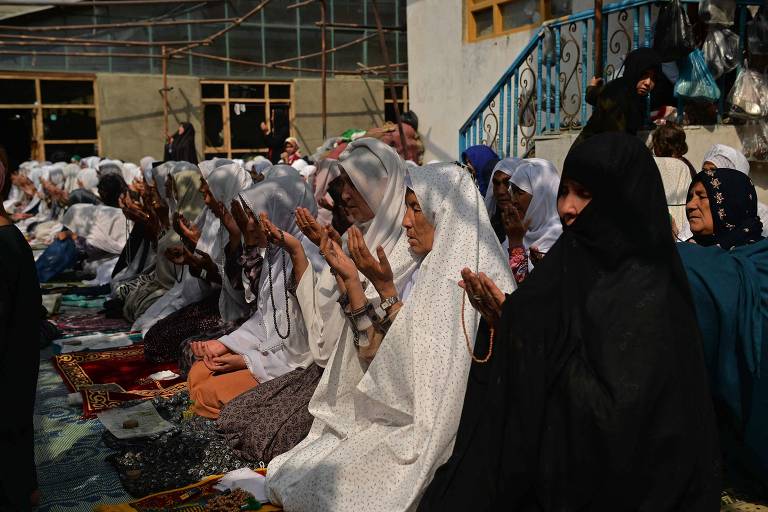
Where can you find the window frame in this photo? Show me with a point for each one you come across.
(39, 142)
(473, 6)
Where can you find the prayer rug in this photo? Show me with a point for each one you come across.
(191, 498)
(87, 322)
(72, 470)
(108, 378)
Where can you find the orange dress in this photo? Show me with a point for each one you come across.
(209, 390)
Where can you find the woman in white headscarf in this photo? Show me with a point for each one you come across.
(497, 195)
(273, 341)
(676, 177)
(131, 173)
(205, 297)
(381, 432)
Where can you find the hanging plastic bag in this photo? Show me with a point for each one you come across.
(673, 38)
(696, 82)
(757, 33)
(755, 144)
(720, 12)
(748, 98)
(721, 51)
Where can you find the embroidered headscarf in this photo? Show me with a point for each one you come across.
(733, 203)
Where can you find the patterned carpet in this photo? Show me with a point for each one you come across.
(70, 454)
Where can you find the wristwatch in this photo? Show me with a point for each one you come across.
(389, 302)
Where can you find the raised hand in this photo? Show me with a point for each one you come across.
(483, 294)
(186, 229)
(514, 225)
(377, 271)
(337, 260)
(249, 226)
(280, 238)
(309, 226)
(333, 234)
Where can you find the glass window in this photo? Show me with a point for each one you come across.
(280, 91)
(246, 91)
(60, 92)
(213, 121)
(244, 121)
(69, 123)
(488, 18)
(69, 150)
(213, 90)
(483, 22)
(17, 91)
(519, 14)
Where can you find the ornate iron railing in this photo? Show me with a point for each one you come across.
(544, 90)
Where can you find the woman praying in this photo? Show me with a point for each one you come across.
(595, 396)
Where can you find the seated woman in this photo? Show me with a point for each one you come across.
(595, 396)
(727, 266)
(199, 302)
(522, 196)
(381, 429)
(273, 417)
(273, 341)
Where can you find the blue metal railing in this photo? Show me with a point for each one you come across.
(544, 89)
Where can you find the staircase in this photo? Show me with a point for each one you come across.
(542, 94)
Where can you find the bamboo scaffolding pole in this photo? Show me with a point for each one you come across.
(100, 3)
(90, 42)
(210, 39)
(46, 53)
(126, 24)
(359, 27)
(165, 96)
(392, 90)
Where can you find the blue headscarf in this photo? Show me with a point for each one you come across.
(483, 159)
(730, 292)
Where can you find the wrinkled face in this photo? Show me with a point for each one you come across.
(698, 212)
(572, 198)
(708, 166)
(646, 83)
(208, 198)
(354, 204)
(521, 199)
(421, 234)
(501, 192)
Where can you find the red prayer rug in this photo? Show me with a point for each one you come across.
(108, 378)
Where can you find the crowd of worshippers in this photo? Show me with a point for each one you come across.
(492, 334)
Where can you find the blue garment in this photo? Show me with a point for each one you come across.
(58, 257)
(730, 291)
(483, 159)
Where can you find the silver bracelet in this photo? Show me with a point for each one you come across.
(389, 302)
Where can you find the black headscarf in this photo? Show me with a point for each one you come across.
(111, 187)
(183, 147)
(617, 106)
(595, 397)
(733, 202)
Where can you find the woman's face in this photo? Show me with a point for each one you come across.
(521, 199)
(421, 234)
(572, 198)
(708, 166)
(290, 148)
(500, 185)
(646, 83)
(208, 198)
(181, 129)
(698, 211)
(354, 204)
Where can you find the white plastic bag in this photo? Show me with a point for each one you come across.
(748, 98)
(721, 51)
(755, 144)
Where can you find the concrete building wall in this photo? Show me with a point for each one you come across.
(350, 103)
(449, 76)
(131, 113)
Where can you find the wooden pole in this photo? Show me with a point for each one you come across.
(598, 43)
(392, 90)
(323, 72)
(165, 97)
(124, 24)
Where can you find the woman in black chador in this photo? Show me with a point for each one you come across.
(595, 395)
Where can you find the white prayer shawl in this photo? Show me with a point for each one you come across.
(507, 166)
(379, 435)
(225, 184)
(279, 171)
(71, 175)
(378, 173)
(539, 178)
(726, 157)
(104, 227)
(91, 162)
(146, 168)
(267, 355)
(131, 172)
(110, 167)
(88, 179)
(676, 177)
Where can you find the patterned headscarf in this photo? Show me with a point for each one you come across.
(733, 203)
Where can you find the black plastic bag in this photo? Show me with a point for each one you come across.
(673, 38)
(721, 50)
(757, 33)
